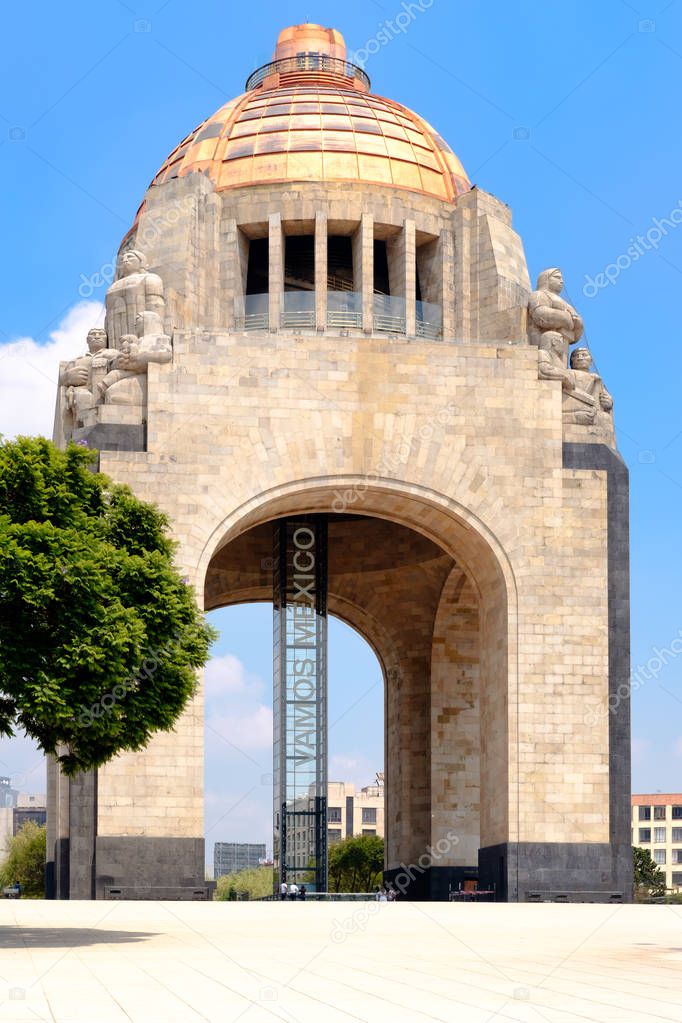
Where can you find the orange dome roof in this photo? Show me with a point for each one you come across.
(308, 116)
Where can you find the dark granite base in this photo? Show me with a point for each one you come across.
(433, 884)
(113, 437)
(137, 862)
(585, 870)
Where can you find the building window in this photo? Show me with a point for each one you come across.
(645, 834)
(334, 814)
(369, 815)
(645, 813)
(373, 831)
(677, 880)
(677, 834)
(659, 813)
(677, 855)
(677, 813)
(659, 835)
(659, 856)
(333, 835)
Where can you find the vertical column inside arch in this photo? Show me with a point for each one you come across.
(456, 724)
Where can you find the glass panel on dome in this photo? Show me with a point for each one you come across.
(362, 124)
(277, 109)
(333, 108)
(299, 121)
(336, 123)
(235, 150)
(415, 136)
(300, 141)
(393, 131)
(275, 124)
(242, 129)
(341, 141)
(278, 142)
(425, 158)
(211, 131)
(307, 108)
(399, 150)
(370, 144)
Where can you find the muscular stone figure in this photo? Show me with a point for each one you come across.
(126, 383)
(589, 401)
(553, 359)
(79, 375)
(547, 310)
(134, 291)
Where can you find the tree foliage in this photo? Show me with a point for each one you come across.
(99, 635)
(252, 883)
(356, 864)
(648, 878)
(25, 862)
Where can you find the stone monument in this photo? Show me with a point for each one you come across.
(359, 365)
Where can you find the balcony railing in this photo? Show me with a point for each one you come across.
(429, 320)
(344, 310)
(389, 314)
(299, 310)
(256, 313)
(304, 63)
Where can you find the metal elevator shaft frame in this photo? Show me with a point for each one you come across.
(300, 753)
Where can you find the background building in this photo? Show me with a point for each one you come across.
(657, 827)
(354, 813)
(229, 857)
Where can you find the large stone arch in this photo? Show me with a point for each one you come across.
(421, 581)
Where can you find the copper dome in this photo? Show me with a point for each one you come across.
(309, 116)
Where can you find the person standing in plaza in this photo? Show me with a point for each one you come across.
(283, 889)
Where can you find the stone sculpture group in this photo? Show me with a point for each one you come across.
(553, 326)
(114, 369)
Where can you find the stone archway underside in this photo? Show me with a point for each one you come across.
(417, 607)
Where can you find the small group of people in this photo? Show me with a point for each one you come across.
(387, 894)
(292, 891)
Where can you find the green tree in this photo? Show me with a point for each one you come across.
(356, 864)
(25, 862)
(99, 634)
(649, 880)
(252, 883)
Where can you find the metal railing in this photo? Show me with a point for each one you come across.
(389, 314)
(255, 314)
(429, 320)
(307, 62)
(298, 309)
(344, 310)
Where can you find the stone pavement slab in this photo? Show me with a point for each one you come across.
(117, 962)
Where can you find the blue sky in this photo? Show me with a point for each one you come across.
(568, 112)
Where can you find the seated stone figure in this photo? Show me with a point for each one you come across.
(588, 402)
(79, 376)
(553, 359)
(126, 383)
(134, 291)
(547, 310)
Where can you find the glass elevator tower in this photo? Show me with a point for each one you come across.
(300, 701)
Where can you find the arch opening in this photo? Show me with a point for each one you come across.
(432, 603)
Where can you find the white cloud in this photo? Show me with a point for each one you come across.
(248, 729)
(29, 372)
(227, 675)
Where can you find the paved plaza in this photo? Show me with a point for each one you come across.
(180, 962)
